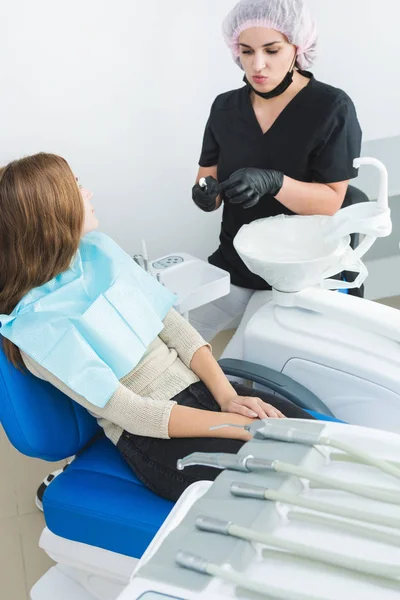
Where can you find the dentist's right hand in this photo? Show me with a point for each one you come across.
(206, 197)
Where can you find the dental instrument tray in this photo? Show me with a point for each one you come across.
(297, 548)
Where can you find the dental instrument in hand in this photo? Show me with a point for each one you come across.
(321, 555)
(245, 490)
(268, 430)
(234, 462)
(200, 565)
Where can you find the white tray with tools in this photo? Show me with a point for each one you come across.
(367, 554)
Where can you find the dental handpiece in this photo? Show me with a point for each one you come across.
(255, 492)
(198, 564)
(315, 554)
(235, 462)
(269, 430)
(232, 462)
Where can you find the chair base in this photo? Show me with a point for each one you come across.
(85, 572)
(57, 584)
(82, 572)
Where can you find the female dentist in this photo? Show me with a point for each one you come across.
(284, 143)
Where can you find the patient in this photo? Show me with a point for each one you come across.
(147, 376)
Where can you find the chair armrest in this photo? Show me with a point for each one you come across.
(276, 381)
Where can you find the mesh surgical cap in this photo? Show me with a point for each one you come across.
(290, 17)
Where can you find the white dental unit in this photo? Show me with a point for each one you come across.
(344, 349)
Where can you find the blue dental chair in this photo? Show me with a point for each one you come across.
(100, 518)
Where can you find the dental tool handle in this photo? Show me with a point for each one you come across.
(277, 432)
(259, 587)
(269, 430)
(366, 458)
(315, 554)
(210, 524)
(319, 555)
(220, 460)
(384, 537)
(199, 565)
(333, 509)
(340, 457)
(244, 490)
(259, 464)
(359, 490)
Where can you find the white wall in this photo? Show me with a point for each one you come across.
(122, 90)
(360, 52)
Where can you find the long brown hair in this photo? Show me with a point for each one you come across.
(41, 223)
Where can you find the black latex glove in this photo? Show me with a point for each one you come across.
(206, 198)
(247, 186)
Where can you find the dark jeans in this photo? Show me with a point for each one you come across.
(154, 460)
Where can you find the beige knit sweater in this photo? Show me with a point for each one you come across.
(142, 402)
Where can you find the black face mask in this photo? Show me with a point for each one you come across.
(282, 87)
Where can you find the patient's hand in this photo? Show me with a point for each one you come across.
(249, 406)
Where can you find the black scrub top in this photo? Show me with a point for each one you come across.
(314, 139)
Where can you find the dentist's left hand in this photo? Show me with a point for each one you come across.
(247, 186)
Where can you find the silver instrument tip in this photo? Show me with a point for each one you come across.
(212, 525)
(191, 562)
(245, 490)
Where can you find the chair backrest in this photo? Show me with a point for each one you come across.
(39, 420)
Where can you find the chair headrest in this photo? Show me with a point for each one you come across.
(39, 420)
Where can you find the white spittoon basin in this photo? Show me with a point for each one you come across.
(291, 253)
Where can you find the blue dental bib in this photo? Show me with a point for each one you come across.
(92, 324)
